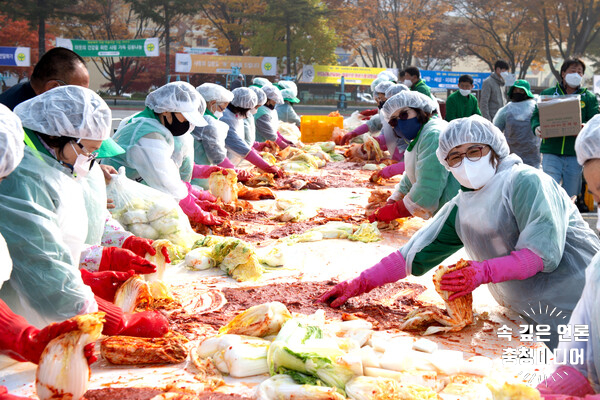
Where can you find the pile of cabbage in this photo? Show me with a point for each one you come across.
(365, 232)
(305, 159)
(308, 357)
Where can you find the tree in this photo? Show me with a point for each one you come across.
(227, 24)
(500, 29)
(17, 33)
(440, 47)
(165, 14)
(301, 25)
(116, 20)
(37, 12)
(569, 27)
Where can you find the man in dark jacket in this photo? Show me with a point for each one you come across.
(492, 91)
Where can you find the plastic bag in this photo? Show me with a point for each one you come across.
(289, 131)
(149, 213)
(353, 121)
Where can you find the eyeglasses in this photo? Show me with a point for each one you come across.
(403, 116)
(473, 153)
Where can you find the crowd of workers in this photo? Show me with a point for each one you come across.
(476, 176)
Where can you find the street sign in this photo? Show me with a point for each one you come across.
(204, 64)
(333, 74)
(111, 48)
(15, 56)
(449, 79)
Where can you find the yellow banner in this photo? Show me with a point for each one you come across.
(333, 74)
(205, 64)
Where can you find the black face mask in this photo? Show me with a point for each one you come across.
(381, 104)
(176, 127)
(270, 106)
(517, 97)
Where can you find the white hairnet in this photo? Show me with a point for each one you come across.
(260, 95)
(289, 85)
(376, 82)
(407, 99)
(395, 89)
(11, 141)
(587, 144)
(72, 111)
(178, 97)
(474, 129)
(244, 98)
(213, 92)
(389, 75)
(288, 94)
(273, 93)
(260, 82)
(383, 87)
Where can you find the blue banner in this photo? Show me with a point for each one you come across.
(449, 79)
(15, 56)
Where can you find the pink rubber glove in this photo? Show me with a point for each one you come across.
(392, 170)
(204, 171)
(243, 175)
(24, 342)
(201, 194)
(196, 214)
(281, 141)
(390, 212)
(382, 143)
(259, 146)
(389, 269)
(257, 160)
(518, 265)
(210, 206)
(140, 324)
(565, 380)
(226, 164)
(364, 128)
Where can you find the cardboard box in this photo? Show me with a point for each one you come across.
(560, 115)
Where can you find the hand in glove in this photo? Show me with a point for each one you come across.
(243, 175)
(141, 246)
(209, 206)
(257, 160)
(204, 171)
(389, 269)
(24, 342)
(282, 142)
(259, 146)
(390, 212)
(201, 194)
(364, 128)
(392, 170)
(117, 259)
(141, 324)
(566, 380)
(518, 265)
(4, 395)
(197, 214)
(226, 163)
(105, 284)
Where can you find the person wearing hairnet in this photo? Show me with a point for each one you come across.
(582, 379)
(524, 236)
(209, 141)
(45, 222)
(426, 185)
(375, 123)
(244, 100)
(285, 111)
(266, 119)
(18, 339)
(249, 124)
(109, 247)
(260, 82)
(159, 149)
(514, 119)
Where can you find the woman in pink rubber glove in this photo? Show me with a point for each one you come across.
(524, 236)
(583, 379)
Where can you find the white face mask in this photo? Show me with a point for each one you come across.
(574, 79)
(253, 111)
(474, 174)
(464, 92)
(82, 165)
(218, 114)
(504, 74)
(408, 83)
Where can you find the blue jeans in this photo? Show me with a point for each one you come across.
(565, 170)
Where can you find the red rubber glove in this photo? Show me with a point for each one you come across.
(243, 175)
(257, 160)
(141, 246)
(518, 265)
(24, 342)
(566, 381)
(364, 128)
(389, 269)
(105, 284)
(209, 206)
(390, 212)
(4, 395)
(197, 214)
(142, 324)
(117, 259)
(204, 171)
